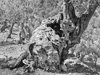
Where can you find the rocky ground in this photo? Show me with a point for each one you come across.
(89, 45)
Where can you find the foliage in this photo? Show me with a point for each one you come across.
(24, 16)
(29, 12)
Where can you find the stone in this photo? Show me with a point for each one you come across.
(2, 58)
(48, 44)
(11, 56)
(98, 61)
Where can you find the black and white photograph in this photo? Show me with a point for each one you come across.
(49, 37)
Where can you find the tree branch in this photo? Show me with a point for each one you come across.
(85, 18)
(71, 13)
(81, 24)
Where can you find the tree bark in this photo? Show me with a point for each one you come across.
(4, 25)
(80, 22)
(10, 31)
(22, 34)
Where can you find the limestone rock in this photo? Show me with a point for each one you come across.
(47, 45)
(12, 55)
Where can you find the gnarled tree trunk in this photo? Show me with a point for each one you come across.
(80, 24)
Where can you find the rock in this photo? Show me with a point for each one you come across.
(90, 58)
(71, 61)
(11, 56)
(13, 51)
(98, 61)
(3, 58)
(11, 63)
(47, 44)
(3, 36)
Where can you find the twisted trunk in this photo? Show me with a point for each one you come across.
(80, 23)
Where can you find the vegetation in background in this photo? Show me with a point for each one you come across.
(81, 27)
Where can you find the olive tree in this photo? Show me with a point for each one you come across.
(80, 21)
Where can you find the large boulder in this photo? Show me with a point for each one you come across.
(10, 56)
(46, 44)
